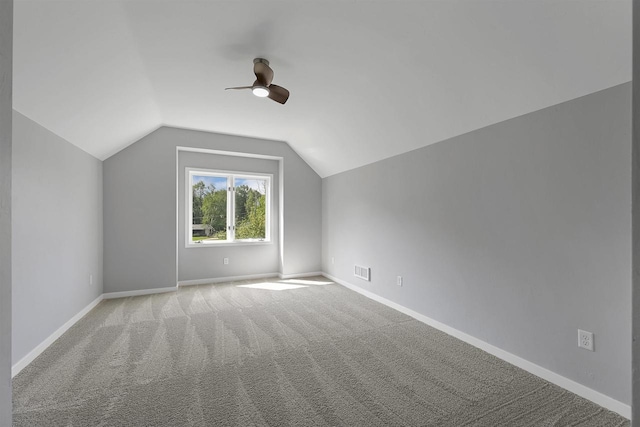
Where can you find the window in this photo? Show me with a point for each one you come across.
(227, 207)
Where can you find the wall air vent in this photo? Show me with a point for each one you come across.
(363, 273)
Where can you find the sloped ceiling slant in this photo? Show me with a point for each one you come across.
(368, 79)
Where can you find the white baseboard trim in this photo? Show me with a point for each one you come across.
(247, 277)
(557, 379)
(124, 294)
(225, 279)
(30, 357)
(300, 275)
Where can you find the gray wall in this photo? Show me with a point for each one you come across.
(6, 56)
(635, 404)
(517, 234)
(206, 261)
(140, 208)
(57, 230)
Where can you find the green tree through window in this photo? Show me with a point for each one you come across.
(228, 207)
(250, 210)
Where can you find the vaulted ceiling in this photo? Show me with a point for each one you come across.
(368, 79)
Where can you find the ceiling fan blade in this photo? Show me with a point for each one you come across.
(239, 87)
(278, 94)
(263, 72)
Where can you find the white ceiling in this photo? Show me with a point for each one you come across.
(368, 79)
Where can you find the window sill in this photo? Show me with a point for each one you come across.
(227, 244)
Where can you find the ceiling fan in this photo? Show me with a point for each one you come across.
(262, 87)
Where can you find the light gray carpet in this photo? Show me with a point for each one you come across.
(318, 355)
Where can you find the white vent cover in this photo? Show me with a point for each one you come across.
(363, 273)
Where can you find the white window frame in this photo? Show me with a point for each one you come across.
(231, 176)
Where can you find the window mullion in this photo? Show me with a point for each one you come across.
(230, 209)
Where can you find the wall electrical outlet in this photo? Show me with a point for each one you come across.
(333, 260)
(91, 279)
(585, 340)
(399, 281)
(225, 261)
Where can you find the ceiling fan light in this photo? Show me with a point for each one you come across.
(260, 91)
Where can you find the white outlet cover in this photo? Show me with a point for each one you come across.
(585, 340)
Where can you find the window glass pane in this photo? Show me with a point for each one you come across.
(250, 208)
(209, 219)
